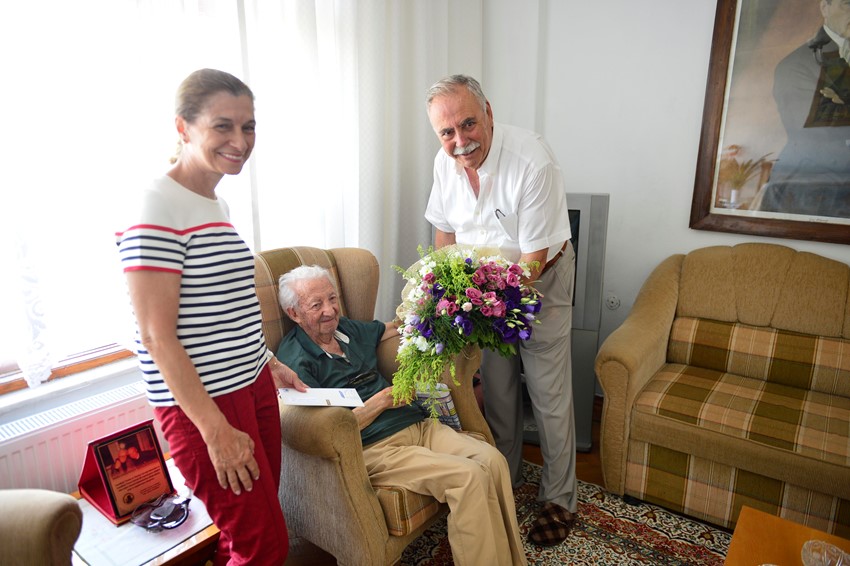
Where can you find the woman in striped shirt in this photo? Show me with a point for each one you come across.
(200, 343)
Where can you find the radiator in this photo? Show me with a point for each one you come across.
(46, 450)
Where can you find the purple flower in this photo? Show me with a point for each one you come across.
(533, 307)
(513, 298)
(508, 334)
(464, 324)
(425, 328)
(438, 348)
(438, 291)
(525, 333)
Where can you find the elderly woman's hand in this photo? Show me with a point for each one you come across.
(284, 376)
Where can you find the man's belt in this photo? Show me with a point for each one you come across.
(551, 263)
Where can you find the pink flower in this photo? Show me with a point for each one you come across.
(512, 279)
(474, 296)
(487, 310)
(499, 309)
(515, 269)
(479, 277)
(447, 307)
(429, 278)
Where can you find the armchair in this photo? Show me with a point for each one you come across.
(38, 526)
(325, 493)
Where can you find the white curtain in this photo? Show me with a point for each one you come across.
(343, 158)
(344, 149)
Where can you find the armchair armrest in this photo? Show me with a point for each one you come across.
(463, 395)
(315, 431)
(323, 464)
(38, 526)
(629, 357)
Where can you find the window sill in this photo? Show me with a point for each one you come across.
(54, 393)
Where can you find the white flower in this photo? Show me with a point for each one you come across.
(421, 343)
(467, 306)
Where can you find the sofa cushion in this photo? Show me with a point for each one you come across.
(798, 436)
(766, 285)
(776, 356)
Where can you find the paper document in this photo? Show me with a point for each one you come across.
(318, 396)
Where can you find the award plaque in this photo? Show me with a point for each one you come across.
(124, 470)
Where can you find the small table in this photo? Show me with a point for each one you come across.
(194, 542)
(762, 538)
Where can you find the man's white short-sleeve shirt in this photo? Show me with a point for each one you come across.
(521, 205)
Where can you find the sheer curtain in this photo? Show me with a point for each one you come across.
(88, 101)
(343, 157)
(345, 151)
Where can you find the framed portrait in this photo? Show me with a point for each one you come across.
(124, 470)
(774, 153)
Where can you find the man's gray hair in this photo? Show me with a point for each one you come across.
(450, 84)
(287, 296)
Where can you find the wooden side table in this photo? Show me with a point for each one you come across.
(762, 538)
(196, 548)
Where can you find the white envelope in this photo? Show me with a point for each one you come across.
(321, 397)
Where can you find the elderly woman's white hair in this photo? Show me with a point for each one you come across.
(287, 297)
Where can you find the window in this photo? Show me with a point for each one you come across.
(89, 94)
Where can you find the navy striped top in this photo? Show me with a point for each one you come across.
(219, 321)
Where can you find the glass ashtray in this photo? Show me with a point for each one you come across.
(820, 553)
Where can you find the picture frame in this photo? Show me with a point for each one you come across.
(123, 470)
(747, 133)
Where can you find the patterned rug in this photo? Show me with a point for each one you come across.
(608, 531)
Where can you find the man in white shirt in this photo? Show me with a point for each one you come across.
(501, 186)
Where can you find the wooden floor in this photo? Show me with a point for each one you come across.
(588, 469)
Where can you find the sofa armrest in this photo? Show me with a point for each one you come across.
(38, 526)
(629, 357)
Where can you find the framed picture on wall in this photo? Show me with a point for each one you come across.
(774, 154)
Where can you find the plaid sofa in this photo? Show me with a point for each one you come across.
(729, 385)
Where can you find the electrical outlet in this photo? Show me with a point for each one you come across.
(612, 302)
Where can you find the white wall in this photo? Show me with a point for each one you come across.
(618, 89)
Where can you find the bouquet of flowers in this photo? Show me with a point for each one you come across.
(456, 296)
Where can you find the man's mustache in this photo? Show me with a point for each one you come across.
(467, 149)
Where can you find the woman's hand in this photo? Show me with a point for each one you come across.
(232, 454)
(284, 376)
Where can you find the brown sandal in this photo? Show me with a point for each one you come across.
(552, 525)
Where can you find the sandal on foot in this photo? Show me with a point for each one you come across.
(552, 525)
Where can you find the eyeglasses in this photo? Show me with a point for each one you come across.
(165, 512)
(361, 378)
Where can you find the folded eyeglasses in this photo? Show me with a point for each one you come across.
(365, 377)
(165, 512)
